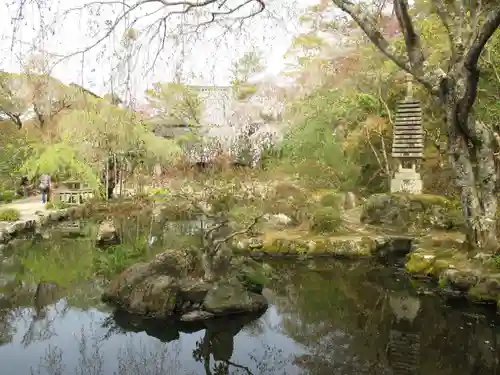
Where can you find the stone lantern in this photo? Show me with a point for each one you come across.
(408, 146)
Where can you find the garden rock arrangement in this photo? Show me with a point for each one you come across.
(169, 288)
(11, 229)
(411, 212)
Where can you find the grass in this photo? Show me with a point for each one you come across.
(9, 214)
(56, 205)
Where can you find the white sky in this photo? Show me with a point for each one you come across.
(205, 61)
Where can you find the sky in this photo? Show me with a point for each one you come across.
(206, 58)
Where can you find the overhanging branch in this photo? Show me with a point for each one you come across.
(368, 25)
(412, 39)
(490, 25)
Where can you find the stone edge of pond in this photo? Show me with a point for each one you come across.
(343, 247)
(474, 279)
(41, 219)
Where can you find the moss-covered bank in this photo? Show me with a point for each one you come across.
(445, 260)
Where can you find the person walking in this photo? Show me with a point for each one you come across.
(45, 184)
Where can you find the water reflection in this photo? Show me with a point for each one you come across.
(326, 318)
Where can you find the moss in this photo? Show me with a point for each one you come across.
(9, 214)
(418, 264)
(252, 275)
(327, 220)
(439, 266)
(428, 200)
(487, 289)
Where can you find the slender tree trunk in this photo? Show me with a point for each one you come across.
(471, 152)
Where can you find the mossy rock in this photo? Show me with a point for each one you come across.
(251, 275)
(420, 264)
(487, 289)
(407, 211)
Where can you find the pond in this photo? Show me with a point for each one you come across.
(325, 317)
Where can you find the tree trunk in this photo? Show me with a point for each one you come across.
(208, 267)
(471, 152)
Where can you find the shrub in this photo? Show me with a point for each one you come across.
(159, 191)
(327, 220)
(331, 200)
(286, 190)
(7, 196)
(10, 214)
(56, 205)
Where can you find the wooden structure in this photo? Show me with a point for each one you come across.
(408, 145)
(74, 192)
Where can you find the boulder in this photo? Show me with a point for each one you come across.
(230, 297)
(411, 212)
(163, 288)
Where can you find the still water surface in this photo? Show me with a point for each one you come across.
(325, 317)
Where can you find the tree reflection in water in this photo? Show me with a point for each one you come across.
(214, 350)
(344, 318)
(362, 318)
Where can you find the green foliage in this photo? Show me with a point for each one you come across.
(247, 66)
(312, 150)
(327, 220)
(9, 214)
(117, 258)
(496, 260)
(15, 146)
(159, 191)
(176, 103)
(7, 196)
(63, 262)
(61, 160)
(331, 200)
(57, 204)
(245, 90)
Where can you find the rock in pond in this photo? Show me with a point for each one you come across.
(160, 289)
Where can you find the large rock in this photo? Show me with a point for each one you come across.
(230, 297)
(164, 289)
(407, 211)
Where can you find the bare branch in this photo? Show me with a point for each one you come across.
(430, 80)
(490, 25)
(223, 12)
(218, 243)
(412, 39)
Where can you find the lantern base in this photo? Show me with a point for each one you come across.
(406, 180)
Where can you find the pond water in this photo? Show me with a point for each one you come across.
(325, 317)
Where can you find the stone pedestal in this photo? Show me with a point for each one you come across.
(406, 180)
